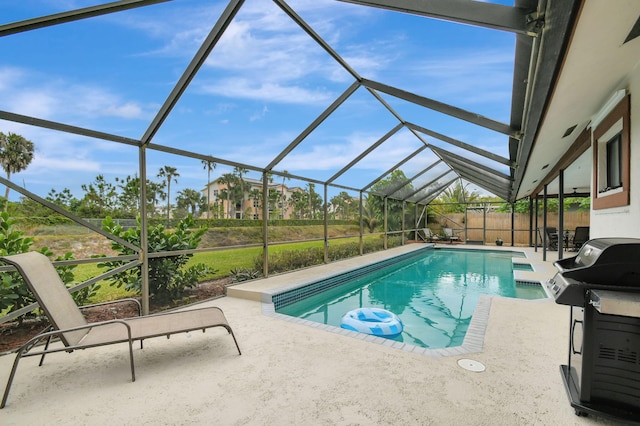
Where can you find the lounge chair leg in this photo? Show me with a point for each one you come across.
(133, 372)
(234, 339)
(10, 381)
(46, 346)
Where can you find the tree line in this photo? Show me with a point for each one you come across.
(120, 198)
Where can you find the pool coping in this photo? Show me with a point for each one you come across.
(473, 341)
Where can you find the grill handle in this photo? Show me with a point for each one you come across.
(573, 334)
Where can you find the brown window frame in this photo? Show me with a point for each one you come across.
(617, 197)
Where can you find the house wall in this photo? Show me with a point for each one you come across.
(624, 221)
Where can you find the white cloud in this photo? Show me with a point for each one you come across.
(336, 155)
(259, 115)
(43, 164)
(263, 52)
(56, 98)
(476, 76)
(268, 92)
(8, 77)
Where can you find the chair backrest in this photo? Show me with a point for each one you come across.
(427, 232)
(448, 232)
(51, 293)
(552, 232)
(581, 235)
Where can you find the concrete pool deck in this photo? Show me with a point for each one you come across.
(291, 374)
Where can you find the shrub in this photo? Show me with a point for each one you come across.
(288, 260)
(14, 293)
(244, 274)
(168, 275)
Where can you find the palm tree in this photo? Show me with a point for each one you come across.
(369, 217)
(16, 154)
(169, 173)
(230, 181)
(208, 166)
(285, 176)
(256, 195)
(155, 193)
(455, 198)
(189, 199)
(241, 171)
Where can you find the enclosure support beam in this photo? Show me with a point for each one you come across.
(411, 179)
(560, 213)
(66, 214)
(484, 153)
(396, 166)
(495, 16)
(366, 152)
(537, 209)
(361, 240)
(144, 234)
(325, 215)
(74, 15)
(311, 127)
(484, 225)
(192, 69)
(452, 111)
(265, 224)
(307, 28)
(385, 222)
(402, 226)
(466, 223)
(544, 223)
(513, 220)
(530, 222)
(416, 223)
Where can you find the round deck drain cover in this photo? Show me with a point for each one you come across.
(471, 365)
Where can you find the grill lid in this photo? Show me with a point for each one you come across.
(603, 263)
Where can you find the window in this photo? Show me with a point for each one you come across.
(611, 158)
(215, 192)
(614, 162)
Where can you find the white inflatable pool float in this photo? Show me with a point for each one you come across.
(374, 321)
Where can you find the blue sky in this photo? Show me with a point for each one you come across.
(263, 84)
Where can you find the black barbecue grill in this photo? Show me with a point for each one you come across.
(602, 286)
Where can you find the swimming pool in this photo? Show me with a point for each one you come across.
(434, 292)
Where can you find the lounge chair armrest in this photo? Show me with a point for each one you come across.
(175, 311)
(56, 333)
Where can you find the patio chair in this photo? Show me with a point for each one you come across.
(580, 236)
(450, 235)
(552, 237)
(70, 326)
(428, 235)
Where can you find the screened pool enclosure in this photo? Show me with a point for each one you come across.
(370, 98)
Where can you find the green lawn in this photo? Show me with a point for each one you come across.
(223, 261)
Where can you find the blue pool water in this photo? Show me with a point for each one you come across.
(434, 294)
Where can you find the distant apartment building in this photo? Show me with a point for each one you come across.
(228, 201)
